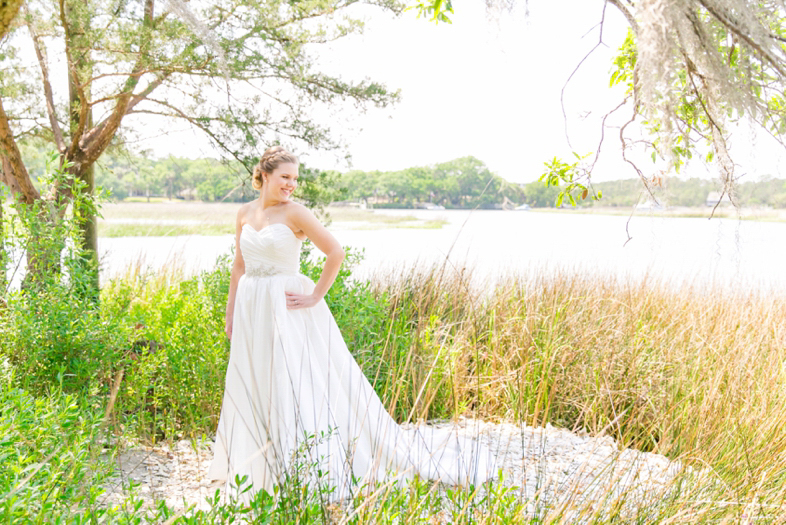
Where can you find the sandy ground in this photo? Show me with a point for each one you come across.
(548, 468)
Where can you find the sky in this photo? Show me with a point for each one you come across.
(487, 85)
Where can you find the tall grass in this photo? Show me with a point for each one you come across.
(695, 373)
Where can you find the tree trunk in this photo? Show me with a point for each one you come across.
(43, 250)
(8, 11)
(82, 64)
(89, 233)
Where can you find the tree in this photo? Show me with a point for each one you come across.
(240, 71)
(8, 11)
(693, 68)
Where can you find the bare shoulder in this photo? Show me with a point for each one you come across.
(298, 214)
(244, 210)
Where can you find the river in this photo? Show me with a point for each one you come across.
(736, 255)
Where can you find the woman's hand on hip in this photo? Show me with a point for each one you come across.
(228, 327)
(298, 300)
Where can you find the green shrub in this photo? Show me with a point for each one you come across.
(48, 470)
(56, 337)
(174, 379)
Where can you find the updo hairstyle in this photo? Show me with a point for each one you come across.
(271, 159)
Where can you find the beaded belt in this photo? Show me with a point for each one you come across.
(264, 271)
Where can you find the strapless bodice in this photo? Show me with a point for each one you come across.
(270, 251)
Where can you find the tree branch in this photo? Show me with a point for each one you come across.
(97, 139)
(84, 108)
(626, 13)
(14, 172)
(731, 26)
(147, 91)
(565, 85)
(191, 120)
(603, 132)
(625, 157)
(50, 103)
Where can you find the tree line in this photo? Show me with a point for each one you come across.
(692, 192)
(460, 183)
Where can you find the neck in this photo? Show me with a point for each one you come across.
(267, 200)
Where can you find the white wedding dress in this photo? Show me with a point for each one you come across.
(293, 389)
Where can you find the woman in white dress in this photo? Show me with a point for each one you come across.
(294, 395)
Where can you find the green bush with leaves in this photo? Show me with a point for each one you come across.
(174, 378)
(56, 337)
(53, 331)
(48, 469)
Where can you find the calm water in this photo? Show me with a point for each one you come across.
(733, 254)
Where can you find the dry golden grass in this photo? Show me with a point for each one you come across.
(696, 374)
(176, 217)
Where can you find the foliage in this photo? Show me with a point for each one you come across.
(692, 70)
(559, 348)
(124, 174)
(48, 471)
(56, 337)
(460, 183)
(673, 191)
(241, 73)
(177, 351)
(570, 177)
(317, 188)
(48, 232)
(53, 331)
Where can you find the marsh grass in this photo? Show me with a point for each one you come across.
(171, 218)
(695, 373)
(122, 229)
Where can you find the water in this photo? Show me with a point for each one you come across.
(737, 255)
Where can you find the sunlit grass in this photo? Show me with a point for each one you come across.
(694, 373)
(107, 229)
(170, 218)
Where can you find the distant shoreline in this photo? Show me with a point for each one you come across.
(171, 218)
(696, 212)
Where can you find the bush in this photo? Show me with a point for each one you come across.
(53, 330)
(48, 471)
(174, 381)
(56, 337)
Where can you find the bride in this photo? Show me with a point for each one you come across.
(295, 401)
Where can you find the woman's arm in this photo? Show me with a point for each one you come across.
(238, 269)
(303, 219)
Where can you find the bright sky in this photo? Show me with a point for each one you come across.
(487, 85)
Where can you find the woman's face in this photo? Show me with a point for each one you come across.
(283, 181)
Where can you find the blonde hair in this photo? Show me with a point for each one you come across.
(271, 159)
